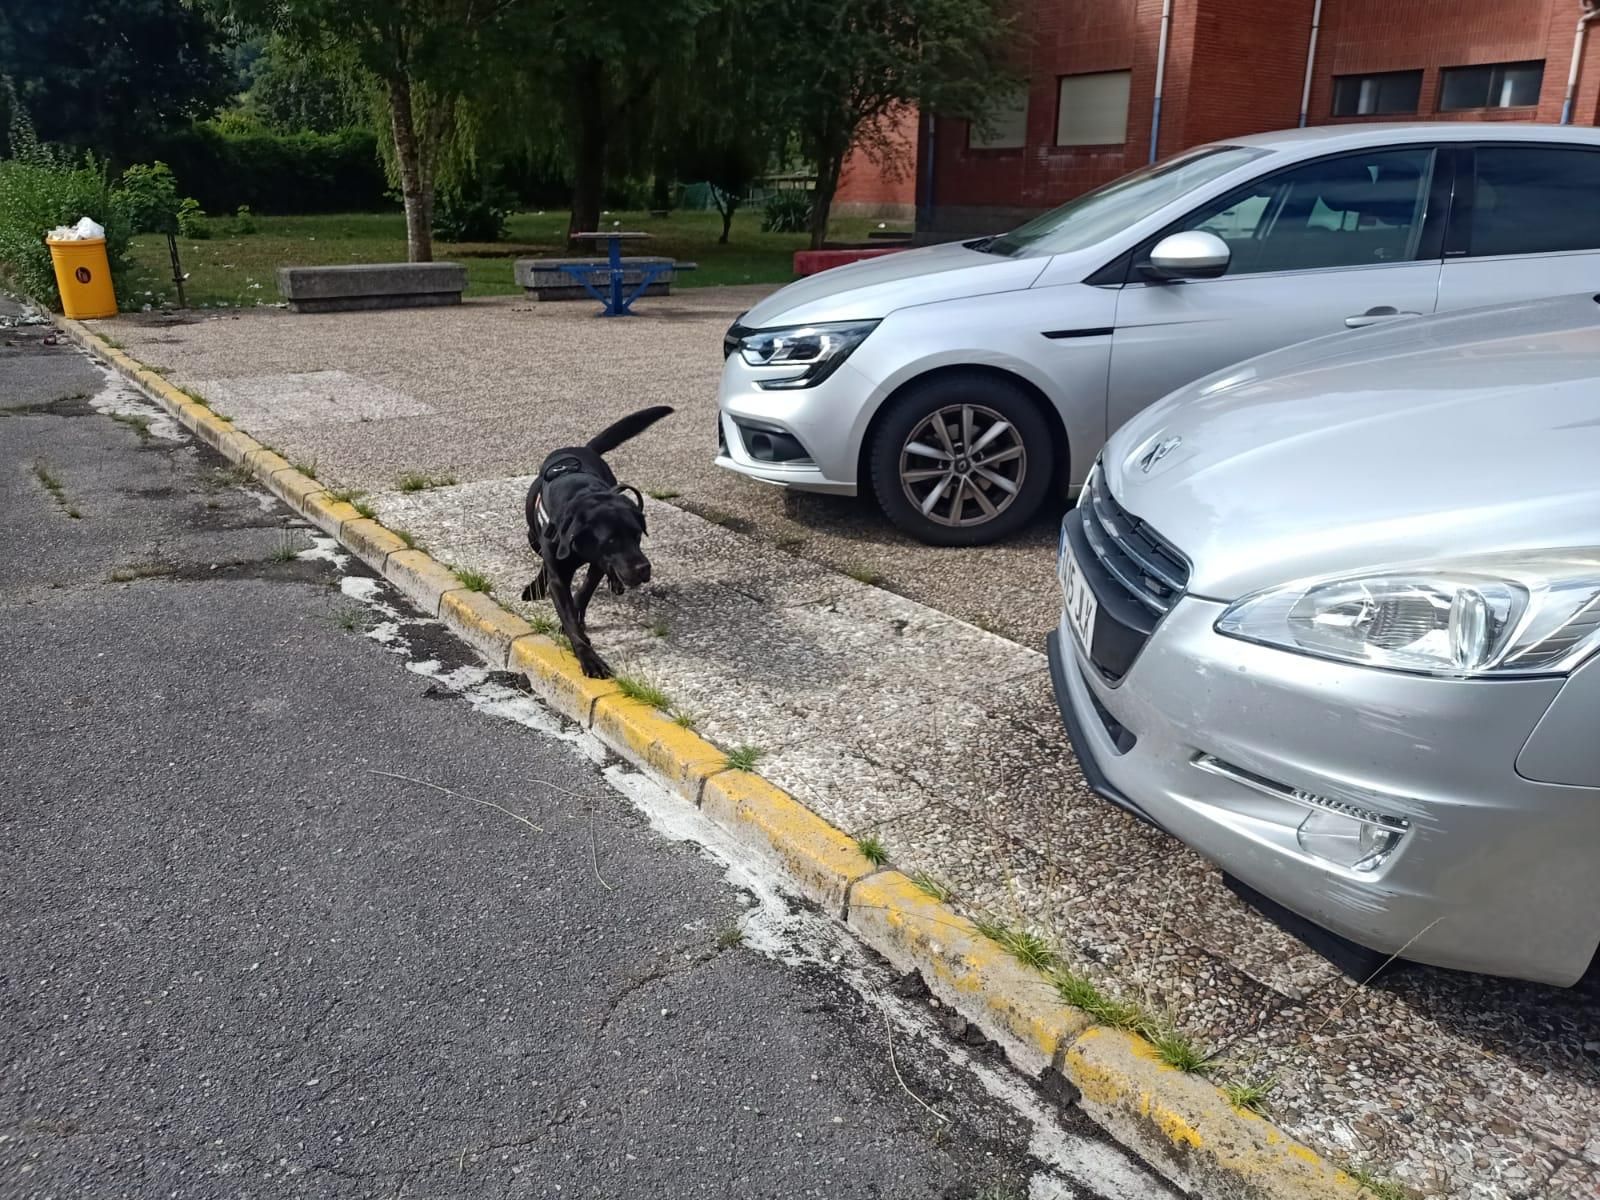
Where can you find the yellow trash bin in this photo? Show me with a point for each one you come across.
(83, 273)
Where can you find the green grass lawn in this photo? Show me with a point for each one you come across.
(227, 271)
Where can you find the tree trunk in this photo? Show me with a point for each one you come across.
(415, 186)
(589, 149)
(727, 204)
(829, 167)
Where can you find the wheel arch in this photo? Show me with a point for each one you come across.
(1060, 447)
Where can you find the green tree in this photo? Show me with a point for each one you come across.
(598, 69)
(723, 125)
(842, 69)
(111, 75)
(427, 56)
(290, 90)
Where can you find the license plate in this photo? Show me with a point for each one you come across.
(1078, 601)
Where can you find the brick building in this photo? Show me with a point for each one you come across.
(1232, 67)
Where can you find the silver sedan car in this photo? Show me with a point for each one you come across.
(1332, 617)
(964, 385)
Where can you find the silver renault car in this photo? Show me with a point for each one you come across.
(1332, 617)
(964, 384)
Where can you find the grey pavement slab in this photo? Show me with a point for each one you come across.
(240, 962)
(894, 712)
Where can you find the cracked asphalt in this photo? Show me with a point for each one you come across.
(237, 961)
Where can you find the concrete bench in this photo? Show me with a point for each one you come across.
(371, 285)
(544, 278)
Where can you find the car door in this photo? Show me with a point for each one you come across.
(1340, 242)
(1527, 226)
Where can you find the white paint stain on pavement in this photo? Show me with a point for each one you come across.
(117, 399)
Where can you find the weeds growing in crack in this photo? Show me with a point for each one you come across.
(407, 538)
(864, 575)
(659, 628)
(235, 476)
(307, 468)
(732, 935)
(1029, 948)
(742, 758)
(144, 570)
(544, 624)
(364, 507)
(288, 547)
(196, 397)
(1248, 1094)
(345, 495)
(474, 581)
(644, 690)
(139, 424)
(662, 493)
(929, 886)
(1174, 1047)
(422, 481)
(684, 720)
(51, 482)
(872, 849)
(1376, 1186)
(352, 618)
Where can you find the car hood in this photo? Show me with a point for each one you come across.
(875, 287)
(1447, 436)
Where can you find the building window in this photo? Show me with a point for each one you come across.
(1493, 85)
(1007, 126)
(1376, 95)
(1093, 109)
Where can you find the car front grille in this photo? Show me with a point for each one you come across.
(1135, 574)
(1152, 571)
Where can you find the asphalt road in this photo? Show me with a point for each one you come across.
(292, 911)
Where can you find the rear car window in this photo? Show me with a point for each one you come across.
(1535, 200)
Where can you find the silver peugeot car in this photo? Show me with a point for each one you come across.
(965, 384)
(1332, 617)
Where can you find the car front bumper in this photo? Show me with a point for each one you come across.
(1495, 873)
(823, 424)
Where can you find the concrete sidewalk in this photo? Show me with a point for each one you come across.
(891, 716)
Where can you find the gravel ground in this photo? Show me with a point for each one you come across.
(895, 714)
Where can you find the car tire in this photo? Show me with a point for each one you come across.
(932, 487)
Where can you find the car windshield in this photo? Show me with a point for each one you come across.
(1096, 215)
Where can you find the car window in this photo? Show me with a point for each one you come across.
(1353, 210)
(1535, 200)
(1097, 215)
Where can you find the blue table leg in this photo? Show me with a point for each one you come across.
(617, 307)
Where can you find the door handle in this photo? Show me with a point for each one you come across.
(1377, 316)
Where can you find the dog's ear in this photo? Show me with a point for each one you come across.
(567, 531)
(624, 490)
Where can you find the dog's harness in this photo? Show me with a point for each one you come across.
(562, 466)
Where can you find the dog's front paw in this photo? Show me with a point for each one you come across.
(593, 665)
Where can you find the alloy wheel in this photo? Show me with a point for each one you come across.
(963, 464)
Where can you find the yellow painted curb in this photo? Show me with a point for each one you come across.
(1186, 1128)
(487, 627)
(556, 676)
(1012, 1003)
(290, 486)
(819, 858)
(370, 541)
(1180, 1124)
(328, 514)
(420, 576)
(670, 754)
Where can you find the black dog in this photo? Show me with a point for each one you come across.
(577, 514)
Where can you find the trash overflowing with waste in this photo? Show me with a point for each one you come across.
(86, 230)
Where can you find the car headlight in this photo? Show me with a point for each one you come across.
(1525, 614)
(818, 348)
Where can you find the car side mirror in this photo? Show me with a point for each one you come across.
(1193, 254)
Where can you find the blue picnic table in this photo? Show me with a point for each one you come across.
(615, 301)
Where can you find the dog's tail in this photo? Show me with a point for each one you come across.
(630, 426)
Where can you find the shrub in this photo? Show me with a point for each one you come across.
(786, 212)
(192, 222)
(278, 172)
(150, 194)
(471, 212)
(244, 222)
(38, 195)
